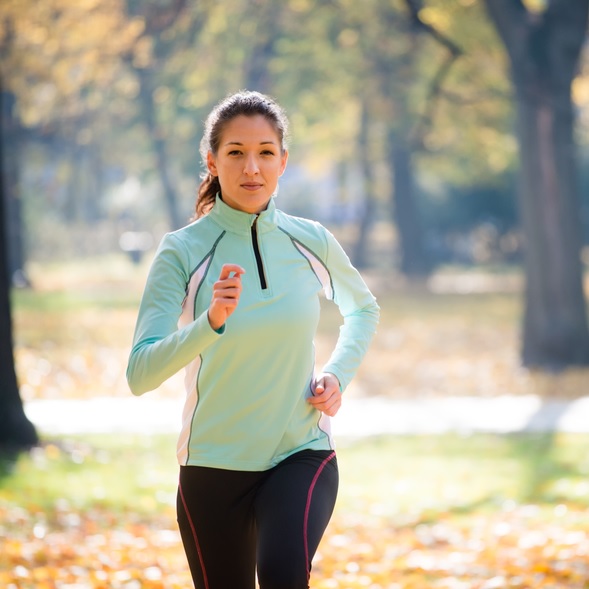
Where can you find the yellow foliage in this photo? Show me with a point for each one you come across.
(54, 49)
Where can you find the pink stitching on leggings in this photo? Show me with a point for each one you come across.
(200, 558)
(308, 508)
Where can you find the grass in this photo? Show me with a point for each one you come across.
(393, 477)
(413, 474)
(115, 471)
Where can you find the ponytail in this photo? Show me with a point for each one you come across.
(207, 193)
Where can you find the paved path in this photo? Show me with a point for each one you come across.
(358, 417)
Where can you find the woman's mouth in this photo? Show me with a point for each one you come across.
(251, 186)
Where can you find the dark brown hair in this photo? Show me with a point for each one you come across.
(246, 103)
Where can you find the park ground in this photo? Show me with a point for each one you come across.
(453, 510)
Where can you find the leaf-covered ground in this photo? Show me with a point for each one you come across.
(520, 546)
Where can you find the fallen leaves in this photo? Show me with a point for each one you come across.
(515, 547)
(96, 549)
(518, 546)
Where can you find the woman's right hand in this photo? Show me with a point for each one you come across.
(226, 293)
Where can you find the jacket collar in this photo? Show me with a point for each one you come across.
(240, 222)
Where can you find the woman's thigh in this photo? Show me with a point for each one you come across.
(215, 517)
(293, 508)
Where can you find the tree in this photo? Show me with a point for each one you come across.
(543, 47)
(387, 85)
(16, 431)
(386, 45)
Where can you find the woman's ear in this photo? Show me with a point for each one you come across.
(283, 162)
(211, 164)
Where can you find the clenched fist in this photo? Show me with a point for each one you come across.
(226, 293)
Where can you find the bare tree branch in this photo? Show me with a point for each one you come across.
(435, 92)
(437, 82)
(414, 7)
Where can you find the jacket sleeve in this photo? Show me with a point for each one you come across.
(358, 308)
(160, 349)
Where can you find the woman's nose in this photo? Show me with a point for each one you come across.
(251, 166)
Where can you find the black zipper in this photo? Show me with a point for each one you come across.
(259, 263)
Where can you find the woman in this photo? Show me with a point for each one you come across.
(233, 298)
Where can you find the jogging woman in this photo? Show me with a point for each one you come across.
(233, 298)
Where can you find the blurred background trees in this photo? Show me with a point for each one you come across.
(404, 137)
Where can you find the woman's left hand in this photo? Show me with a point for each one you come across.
(327, 395)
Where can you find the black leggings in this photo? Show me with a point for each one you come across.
(233, 522)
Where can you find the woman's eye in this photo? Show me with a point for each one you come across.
(267, 152)
(235, 152)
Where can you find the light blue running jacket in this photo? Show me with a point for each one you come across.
(247, 383)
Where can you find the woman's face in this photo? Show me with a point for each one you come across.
(248, 163)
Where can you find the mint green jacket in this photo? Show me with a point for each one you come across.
(247, 383)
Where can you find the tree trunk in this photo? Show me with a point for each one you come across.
(159, 146)
(369, 198)
(544, 50)
(16, 431)
(365, 222)
(555, 322)
(414, 260)
(93, 204)
(13, 225)
(400, 147)
(74, 189)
